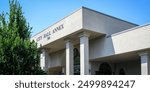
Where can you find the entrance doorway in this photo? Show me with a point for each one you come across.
(104, 69)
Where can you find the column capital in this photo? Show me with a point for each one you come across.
(145, 62)
(68, 40)
(45, 50)
(82, 34)
(144, 53)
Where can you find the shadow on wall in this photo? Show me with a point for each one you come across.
(101, 47)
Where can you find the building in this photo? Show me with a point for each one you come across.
(88, 42)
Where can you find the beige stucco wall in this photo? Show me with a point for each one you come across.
(132, 40)
(135, 39)
(102, 23)
(101, 47)
(57, 59)
(71, 24)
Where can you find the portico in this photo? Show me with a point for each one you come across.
(82, 40)
(84, 55)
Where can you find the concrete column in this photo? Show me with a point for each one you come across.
(69, 58)
(145, 63)
(45, 58)
(84, 54)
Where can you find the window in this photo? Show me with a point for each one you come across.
(122, 72)
(104, 69)
(76, 62)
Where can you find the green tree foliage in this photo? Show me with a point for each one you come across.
(18, 54)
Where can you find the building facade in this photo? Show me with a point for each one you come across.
(88, 42)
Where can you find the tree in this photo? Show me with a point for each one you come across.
(18, 55)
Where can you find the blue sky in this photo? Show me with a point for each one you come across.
(43, 13)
